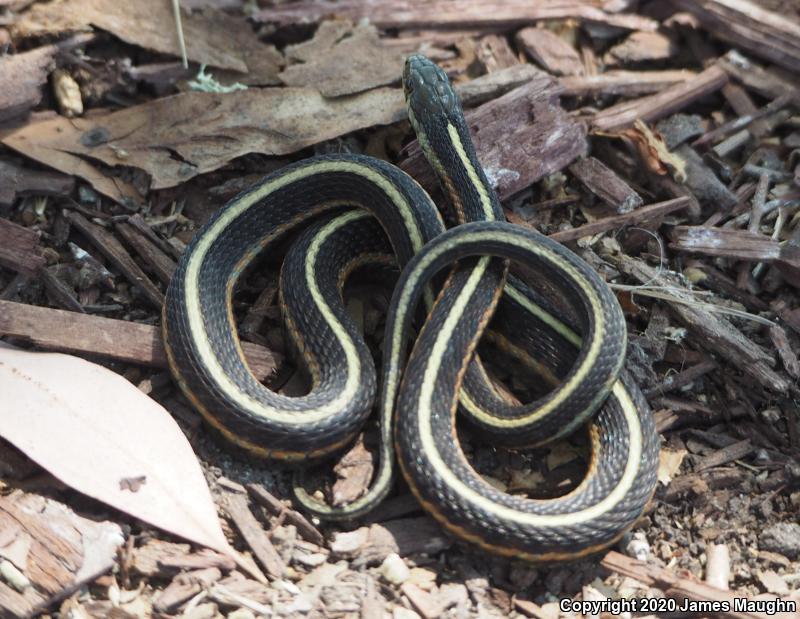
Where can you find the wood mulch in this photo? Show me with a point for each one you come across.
(658, 140)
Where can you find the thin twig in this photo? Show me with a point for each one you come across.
(176, 9)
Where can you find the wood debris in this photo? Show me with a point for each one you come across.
(213, 38)
(642, 47)
(550, 51)
(718, 335)
(237, 509)
(370, 64)
(606, 185)
(683, 587)
(16, 181)
(118, 255)
(747, 25)
(131, 342)
(628, 83)
(48, 551)
(533, 150)
(22, 77)
(662, 104)
(461, 14)
(651, 211)
(660, 141)
(19, 248)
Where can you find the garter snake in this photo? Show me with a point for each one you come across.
(419, 392)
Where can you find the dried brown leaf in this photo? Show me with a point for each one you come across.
(92, 429)
(354, 471)
(669, 463)
(344, 62)
(212, 37)
(21, 80)
(176, 138)
(653, 151)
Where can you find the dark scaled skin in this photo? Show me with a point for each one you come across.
(437, 117)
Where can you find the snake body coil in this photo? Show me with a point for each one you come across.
(420, 392)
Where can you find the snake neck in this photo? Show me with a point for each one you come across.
(438, 120)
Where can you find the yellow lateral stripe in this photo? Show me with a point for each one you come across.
(474, 177)
(546, 317)
(560, 264)
(197, 330)
(459, 488)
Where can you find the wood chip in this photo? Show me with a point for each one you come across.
(773, 582)
(764, 82)
(405, 537)
(407, 14)
(112, 249)
(19, 248)
(666, 102)
(290, 516)
(147, 559)
(606, 185)
(780, 340)
(184, 587)
(201, 560)
(126, 341)
(625, 83)
(424, 603)
(550, 51)
(23, 75)
(159, 263)
(18, 181)
(680, 587)
(642, 47)
(645, 213)
(253, 533)
(55, 552)
(737, 244)
(749, 26)
(702, 181)
(733, 452)
(354, 472)
(716, 334)
(493, 53)
(59, 293)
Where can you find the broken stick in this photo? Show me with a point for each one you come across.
(122, 340)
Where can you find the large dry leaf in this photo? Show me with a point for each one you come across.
(176, 138)
(341, 60)
(212, 37)
(100, 435)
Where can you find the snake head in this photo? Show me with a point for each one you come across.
(428, 90)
